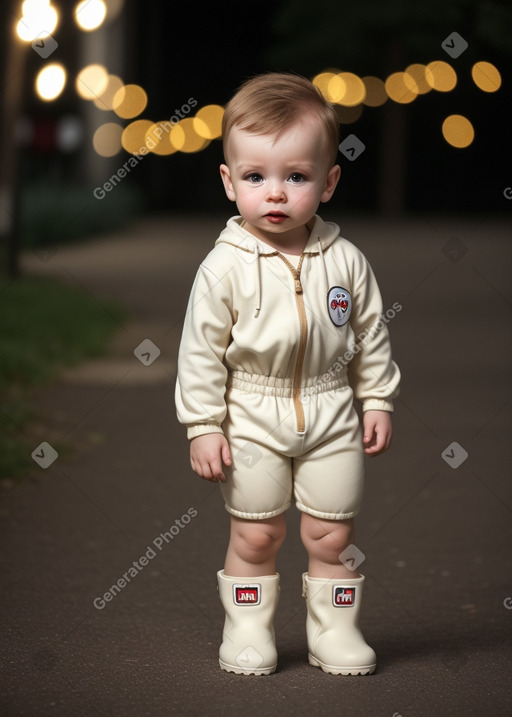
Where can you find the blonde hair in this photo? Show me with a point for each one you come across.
(268, 104)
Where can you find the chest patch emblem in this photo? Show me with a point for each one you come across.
(339, 305)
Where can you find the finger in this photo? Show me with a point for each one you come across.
(368, 430)
(226, 455)
(374, 446)
(215, 468)
(203, 469)
(380, 445)
(369, 435)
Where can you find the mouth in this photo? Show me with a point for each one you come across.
(276, 217)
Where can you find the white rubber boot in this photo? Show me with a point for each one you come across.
(248, 646)
(335, 642)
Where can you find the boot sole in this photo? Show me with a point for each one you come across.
(337, 670)
(248, 671)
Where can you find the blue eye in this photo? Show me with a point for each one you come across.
(296, 178)
(254, 178)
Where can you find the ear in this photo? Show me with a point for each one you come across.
(331, 182)
(226, 180)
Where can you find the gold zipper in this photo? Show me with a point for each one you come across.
(303, 324)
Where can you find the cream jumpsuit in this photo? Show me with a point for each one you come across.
(274, 349)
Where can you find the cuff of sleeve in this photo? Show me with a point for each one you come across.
(201, 429)
(377, 404)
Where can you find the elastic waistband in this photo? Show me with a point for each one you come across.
(283, 387)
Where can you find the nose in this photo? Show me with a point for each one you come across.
(275, 191)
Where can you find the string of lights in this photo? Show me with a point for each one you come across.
(182, 133)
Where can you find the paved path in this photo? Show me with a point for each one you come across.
(121, 499)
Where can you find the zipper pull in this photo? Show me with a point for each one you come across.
(298, 285)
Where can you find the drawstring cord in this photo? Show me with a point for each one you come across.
(321, 252)
(258, 281)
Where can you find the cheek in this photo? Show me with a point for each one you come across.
(307, 199)
(248, 200)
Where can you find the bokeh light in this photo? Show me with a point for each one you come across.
(184, 137)
(70, 133)
(107, 139)
(91, 82)
(90, 14)
(458, 131)
(208, 121)
(441, 76)
(39, 20)
(129, 101)
(133, 138)
(157, 138)
(376, 94)
(350, 92)
(486, 76)
(50, 81)
(335, 88)
(105, 101)
(418, 74)
(322, 81)
(401, 87)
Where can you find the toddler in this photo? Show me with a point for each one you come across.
(279, 337)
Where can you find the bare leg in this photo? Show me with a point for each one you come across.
(324, 540)
(253, 546)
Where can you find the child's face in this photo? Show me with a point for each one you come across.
(278, 184)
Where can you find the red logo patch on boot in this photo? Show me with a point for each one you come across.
(246, 594)
(343, 597)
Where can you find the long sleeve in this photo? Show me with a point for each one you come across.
(202, 374)
(373, 375)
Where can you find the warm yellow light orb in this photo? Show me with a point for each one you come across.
(347, 89)
(157, 138)
(401, 87)
(129, 101)
(39, 20)
(417, 72)
(208, 121)
(184, 137)
(50, 82)
(486, 76)
(105, 101)
(133, 137)
(440, 76)
(322, 81)
(376, 94)
(91, 82)
(107, 139)
(90, 14)
(458, 131)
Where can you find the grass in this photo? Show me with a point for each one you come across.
(45, 326)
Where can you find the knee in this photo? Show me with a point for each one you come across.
(258, 539)
(326, 539)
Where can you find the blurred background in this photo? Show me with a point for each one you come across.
(134, 89)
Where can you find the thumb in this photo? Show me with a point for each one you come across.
(226, 454)
(369, 429)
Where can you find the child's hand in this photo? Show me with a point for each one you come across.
(207, 454)
(377, 433)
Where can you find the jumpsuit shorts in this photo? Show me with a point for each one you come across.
(321, 467)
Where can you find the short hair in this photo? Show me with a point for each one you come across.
(269, 103)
